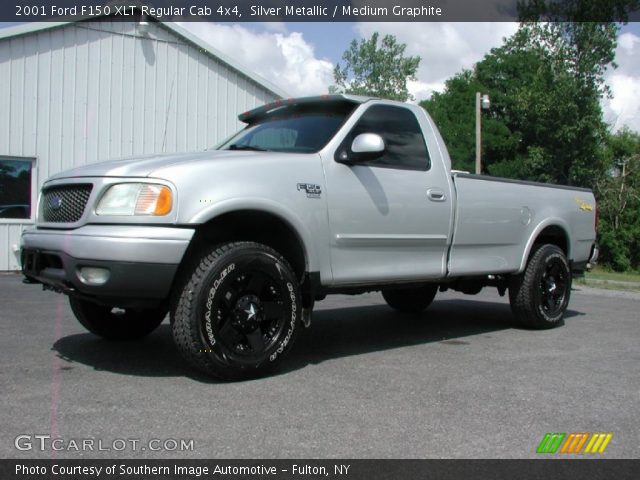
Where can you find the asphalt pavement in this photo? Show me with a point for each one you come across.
(460, 381)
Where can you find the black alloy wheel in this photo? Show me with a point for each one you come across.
(539, 296)
(238, 313)
(250, 314)
(553, 287)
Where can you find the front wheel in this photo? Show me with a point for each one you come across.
(238, 314)
(116, 323)
(539, 296)
(410, 300)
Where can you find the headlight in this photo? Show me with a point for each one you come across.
(136, 199)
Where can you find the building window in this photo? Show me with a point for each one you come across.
(16, 175)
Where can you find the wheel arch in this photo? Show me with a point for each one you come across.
(259, 221)
(554, 231)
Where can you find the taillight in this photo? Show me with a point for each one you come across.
(596, 220)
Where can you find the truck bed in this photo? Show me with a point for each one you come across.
(497, 220)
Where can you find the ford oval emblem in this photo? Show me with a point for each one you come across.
(55, 202)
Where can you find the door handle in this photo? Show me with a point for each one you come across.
(436, 195)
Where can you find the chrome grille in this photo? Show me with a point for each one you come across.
(65, 203)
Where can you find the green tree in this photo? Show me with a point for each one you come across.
(554, 109)
(578, 39)
(582, 33)
(454, 112)
(546, 121)
(376, 67)
(618, 191)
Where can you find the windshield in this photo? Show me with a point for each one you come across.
(296, 128)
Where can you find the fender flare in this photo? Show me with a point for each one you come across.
(548, 222)
(267, 206)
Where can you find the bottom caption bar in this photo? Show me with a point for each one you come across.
(319, 469)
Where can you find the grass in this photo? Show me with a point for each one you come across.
(609, 280)
(606, 285)
(603, 274)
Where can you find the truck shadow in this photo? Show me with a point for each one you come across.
(343, 332)
(335, 333)
(153, 356)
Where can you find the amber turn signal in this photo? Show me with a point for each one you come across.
(154, 200)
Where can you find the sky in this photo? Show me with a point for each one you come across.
(299, 57)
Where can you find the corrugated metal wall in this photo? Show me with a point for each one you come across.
(94, 91)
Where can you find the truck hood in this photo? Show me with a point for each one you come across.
(144, 166)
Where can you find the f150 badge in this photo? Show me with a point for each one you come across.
(312, 190)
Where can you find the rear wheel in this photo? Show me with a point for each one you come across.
(540, 295)
(410, 300)
(238, 314)
(116, 323)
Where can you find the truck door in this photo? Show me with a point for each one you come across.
(390, 217)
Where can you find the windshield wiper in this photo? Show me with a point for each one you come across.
(235, 146)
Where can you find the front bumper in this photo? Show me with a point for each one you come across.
(141, 261)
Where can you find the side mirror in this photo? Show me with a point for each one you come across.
(366, 146)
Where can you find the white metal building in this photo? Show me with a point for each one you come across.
(73, 93)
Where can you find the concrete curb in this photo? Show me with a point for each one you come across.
(621, 283)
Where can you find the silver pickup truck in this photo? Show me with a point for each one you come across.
(318, 195)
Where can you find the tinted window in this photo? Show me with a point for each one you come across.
(404, 142)
(15, 188)
(296, 128)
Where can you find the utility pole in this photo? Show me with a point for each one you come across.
(482, 103)
(478, 136)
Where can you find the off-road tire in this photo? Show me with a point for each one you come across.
(539, 296)
(116, 324)
(238, 312)
(410, 300)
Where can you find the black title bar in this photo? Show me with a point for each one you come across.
(314, 10)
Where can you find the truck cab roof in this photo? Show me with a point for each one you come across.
(259, 112)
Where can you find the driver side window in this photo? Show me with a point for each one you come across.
(404, 143)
